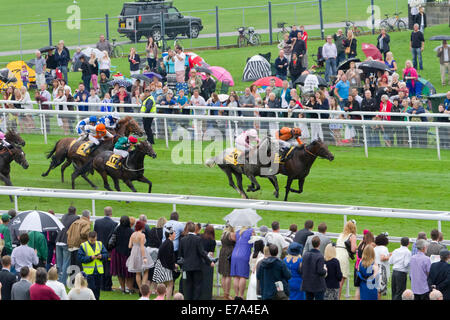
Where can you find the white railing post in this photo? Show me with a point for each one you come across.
(438, 143)
(439, 225)
(347, 291)
(409, 133)
(366, 151)
(16, 204)
(166, 133)
(44, 124)
(4, 126)
(174, 207)
(93, 207)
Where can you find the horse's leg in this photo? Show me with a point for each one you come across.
(274, 181)
(145, 180)
(63, 167)
(239, 183)
(104, 176)
(230, 179)
(53, 164)
(130, 185)
(116, 184)
(288, 187)
(301, 181)
(254, 186)
(84, 175)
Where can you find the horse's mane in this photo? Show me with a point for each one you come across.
(124, 120)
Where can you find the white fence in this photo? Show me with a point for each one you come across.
(411, 132)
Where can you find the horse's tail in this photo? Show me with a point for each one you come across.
(211, 162)
(51, 152)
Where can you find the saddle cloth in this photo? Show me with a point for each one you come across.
(113, 161)
(233, 156)
(82, 149)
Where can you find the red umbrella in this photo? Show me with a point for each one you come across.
(265, 82)
(371, 51)
(194, 59)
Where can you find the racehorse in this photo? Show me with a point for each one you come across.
(7, 155)
(237, 168)
(14, 138)
(60, 151)
(132, 168)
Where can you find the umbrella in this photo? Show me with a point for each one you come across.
(223, 97)
(151, 75)
(36, 221)
(371, 51)
(437, 48)
(5, 76)
(427, 88)
(440, 38)
(222, 75)
(344, 66)
(265, 82)
(141, 77)
(194, 59)
(203, 69)
(88, 51)
(120, 82)
(47, 49)
(310, 81)
(373, 66)
(242, 218)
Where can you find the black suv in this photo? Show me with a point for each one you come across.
(144, 18)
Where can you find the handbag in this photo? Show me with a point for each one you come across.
(347, 50)
(348, 246)
(112, 240)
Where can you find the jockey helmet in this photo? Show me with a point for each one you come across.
(100, 127)
(93, 119)
(252, 133)
(132, 139)
(296, 131)
(2, 135)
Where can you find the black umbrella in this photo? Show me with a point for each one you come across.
(440, 38)
(47, 49)
(141, 77)
(31, 62)
(311, 80)
(344, 66)
(373, 66)
(120, 82)
(4, 76)
(34, 220)
(203, 69)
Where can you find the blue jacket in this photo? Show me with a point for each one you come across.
(63, 58)
(272, 270)
(440, 277)
(313, 272)
(418, 111)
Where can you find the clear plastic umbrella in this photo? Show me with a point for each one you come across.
(88, 51)
(242, 218)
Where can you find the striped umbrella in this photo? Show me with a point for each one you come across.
(34, 220)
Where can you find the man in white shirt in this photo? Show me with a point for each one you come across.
(329, 53)
(23, 255)
(179, 67)
(276, 238)
(356, 96)
(400, 259)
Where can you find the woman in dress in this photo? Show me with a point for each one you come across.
(342, 254)
(80, 291)
(105, 64)
(152, 53)
(138, 262)
(367, 240)
(120, 254)
(93, 68)
(165, 265)
(368, 273)
(390, 62)
(258, 255)
(334, 273)
(228, 242)
(335, 127)
(293, 261)
(208, 240)
(410, 76)
(382, 256)
(240, 258)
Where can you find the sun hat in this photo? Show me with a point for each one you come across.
(295, 249)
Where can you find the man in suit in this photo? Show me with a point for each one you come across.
(7, 279)
(304, 233)
(21, 290)
(146, 230)
(434, 247)
(193, 255)
(324, 240)
(313, 271)
(439, 276)
(104, 228)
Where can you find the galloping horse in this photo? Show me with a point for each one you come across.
(6, 157)
(60, 151)
(132, 169)
(14, 138)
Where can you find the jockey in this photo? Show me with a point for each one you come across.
(85, 126)
(3, 142)
(246, 140)
(288, 137)
(110, 121)
(123, 146)
(97, 136)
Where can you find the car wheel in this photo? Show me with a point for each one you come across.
(156, 34)
(195, 30)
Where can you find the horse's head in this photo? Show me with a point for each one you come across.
(19, 157)
(146, 148)
(133, 127)
(320, 149)
(13, 137)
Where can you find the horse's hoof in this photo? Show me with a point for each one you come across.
(276, 194)
(44, 174)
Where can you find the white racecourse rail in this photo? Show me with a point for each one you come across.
(231, 203)
(365, 124)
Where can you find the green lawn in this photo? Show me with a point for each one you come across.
(36, 35)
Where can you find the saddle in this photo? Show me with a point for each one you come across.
(285, 155)
(233, 157)
(85, 148)
(114, 161)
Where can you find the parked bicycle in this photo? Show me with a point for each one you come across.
(392, 23)
(117, 49)
(357, 30)
(283, 31)
(248, 38)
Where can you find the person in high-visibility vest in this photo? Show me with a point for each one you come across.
(148, 106)
(91, 254)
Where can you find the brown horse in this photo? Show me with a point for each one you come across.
(132, 168)
(60, 151)
(8, 155)
(14, 138)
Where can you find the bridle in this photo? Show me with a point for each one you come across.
(312, 154)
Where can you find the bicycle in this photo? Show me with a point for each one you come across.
(390, 23)
(117, 49)
(357, 30)
(249, 37)
(283, 31)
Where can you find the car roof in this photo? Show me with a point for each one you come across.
(151, 3)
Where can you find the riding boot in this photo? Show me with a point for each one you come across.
(90, 148)
(283, 152)
(120, 162)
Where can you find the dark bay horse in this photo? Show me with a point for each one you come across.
(132, 168)
(14, 138)
(249, 169)
(60, 151)
(6, 157)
